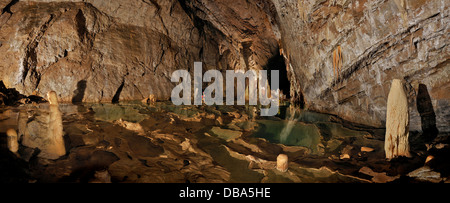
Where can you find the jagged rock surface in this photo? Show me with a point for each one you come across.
(102, 51)
(380, 41)
(90, 50)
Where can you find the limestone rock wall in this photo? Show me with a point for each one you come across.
(97, 50)
(379, 41)
(125, 50)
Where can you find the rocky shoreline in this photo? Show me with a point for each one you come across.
(205, 144)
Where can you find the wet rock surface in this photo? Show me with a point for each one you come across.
(11, 97)
(174, 146)
(337, 57)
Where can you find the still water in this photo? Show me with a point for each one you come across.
(291, 127)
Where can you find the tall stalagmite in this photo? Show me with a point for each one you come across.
(397, 122)
(57, 148)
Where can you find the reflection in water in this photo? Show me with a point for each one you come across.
(8, 120)
(302, 128)
(295, 128)
(113, 112)
(13, 145)
(41, 127)
(44, 130)
(301, 134)
(290, 124)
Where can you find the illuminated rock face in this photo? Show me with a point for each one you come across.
(379, 41)
(98, 50)
(397, 122)
(103, 51)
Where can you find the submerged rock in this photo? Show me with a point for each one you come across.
(378, 177)
(226, 134)
(136, 127)
(426, 174)
(397, 122)
(346, 151)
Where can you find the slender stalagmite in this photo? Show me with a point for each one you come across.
(55, 128)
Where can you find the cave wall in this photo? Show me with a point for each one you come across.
(99, 49)
(126, 50)
(92, 50)
(380, 41)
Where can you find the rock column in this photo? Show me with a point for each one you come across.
(397, 122)
(55, 129)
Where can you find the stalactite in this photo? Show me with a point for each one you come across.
(337, 62)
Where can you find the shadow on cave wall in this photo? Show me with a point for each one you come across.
(116, 97)
(427, 114)
(428, 121)
(79, 92)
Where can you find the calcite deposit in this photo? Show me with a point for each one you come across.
(397, 122)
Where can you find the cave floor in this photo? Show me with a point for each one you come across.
(163, 143)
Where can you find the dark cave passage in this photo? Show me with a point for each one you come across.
(277, 63)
